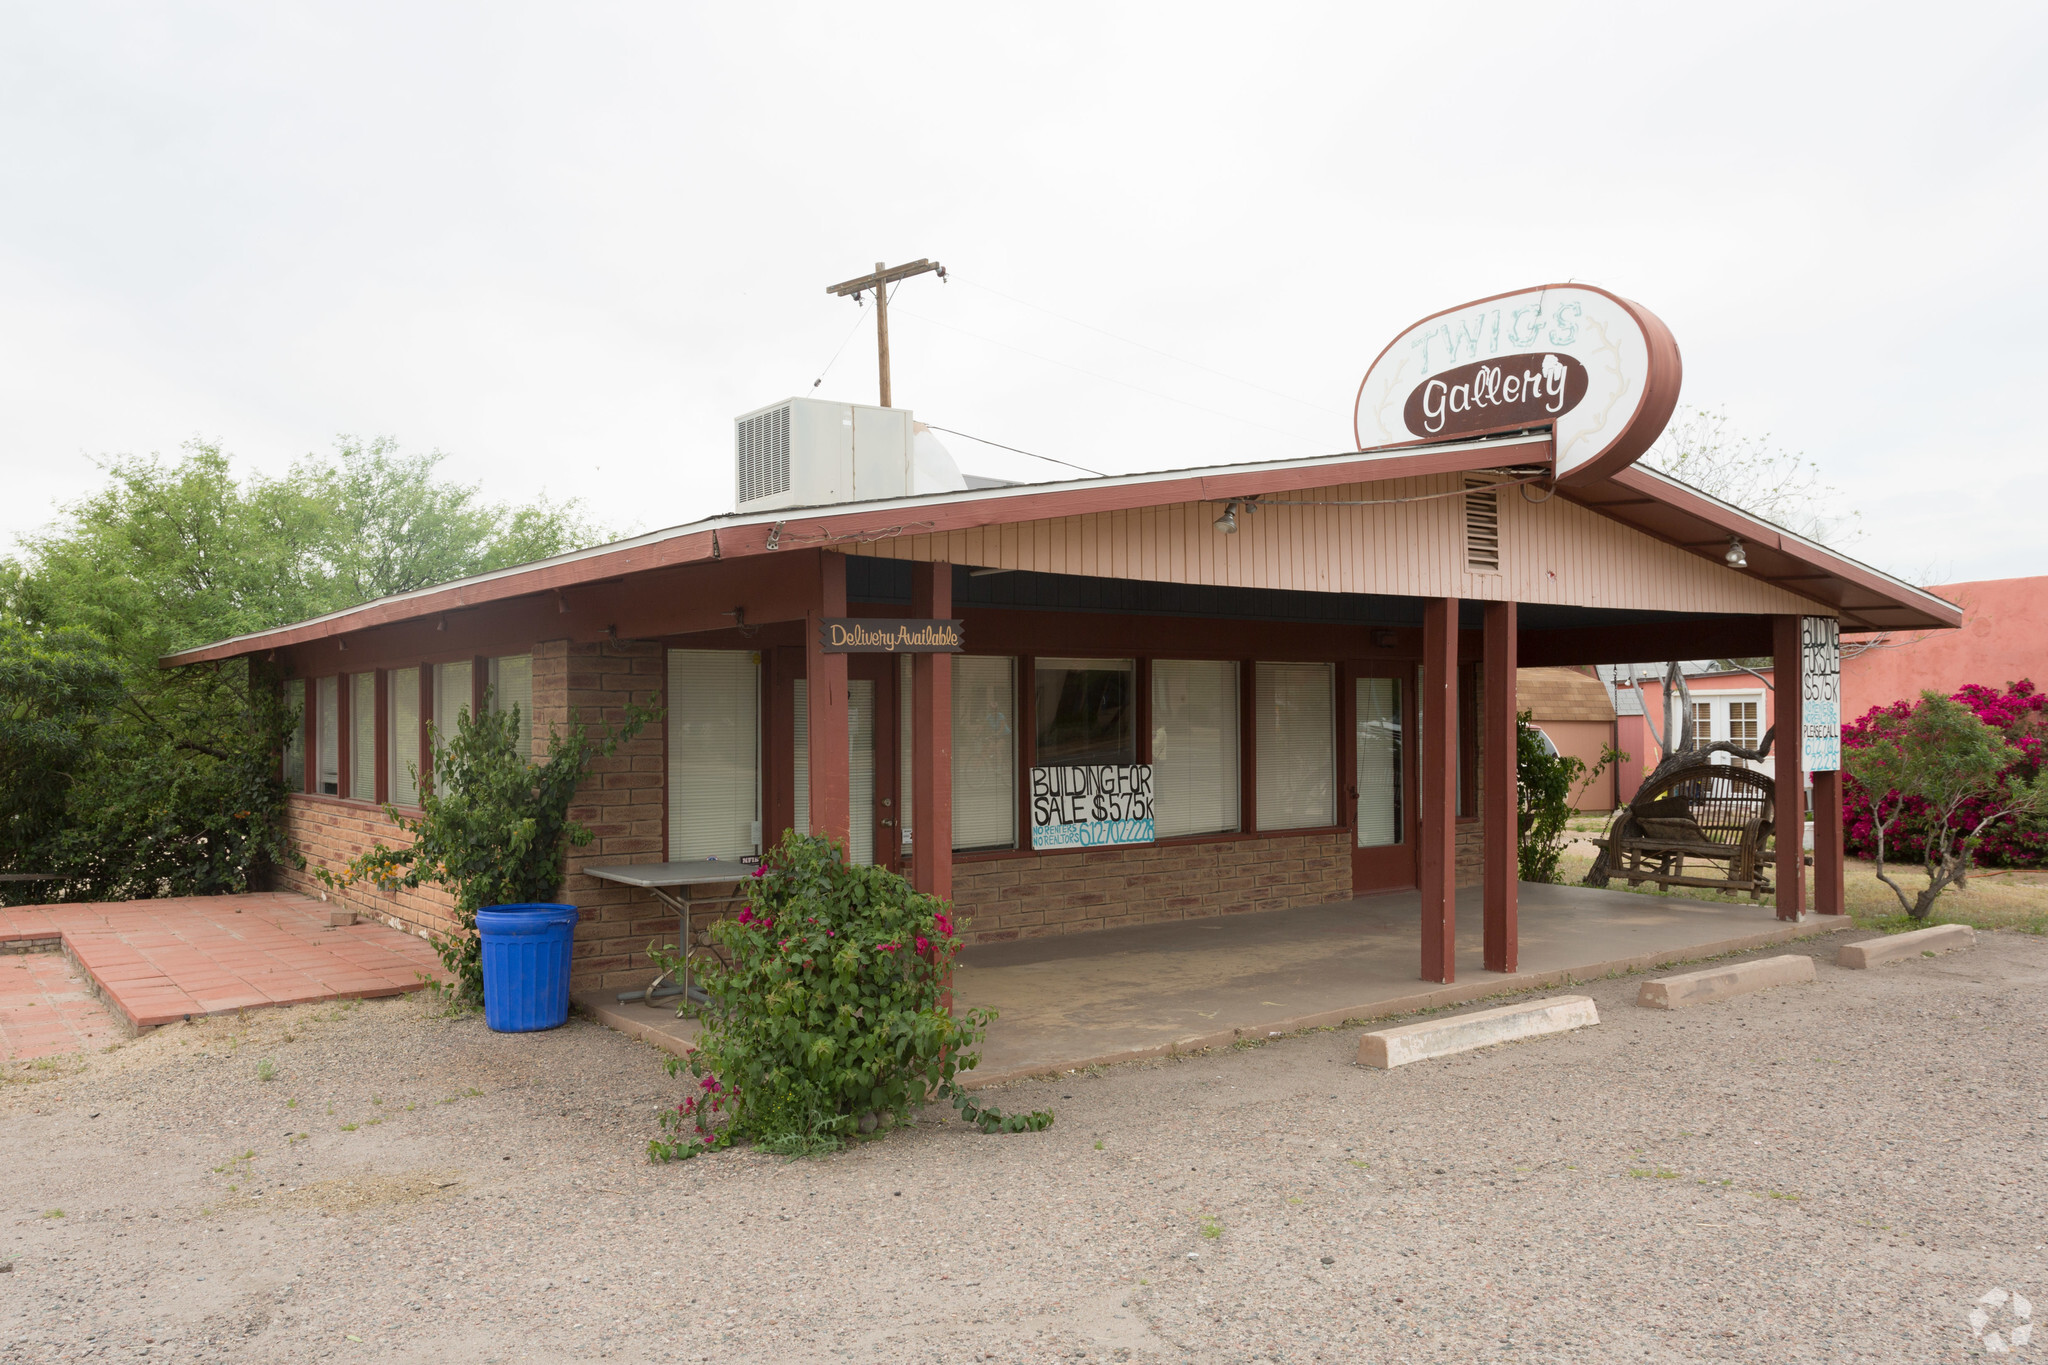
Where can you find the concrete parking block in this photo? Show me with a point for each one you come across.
(1875, 952)
(1393, 1047)
(1723, 983)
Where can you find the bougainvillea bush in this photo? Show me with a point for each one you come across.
(2020, 714)
(828, 1016)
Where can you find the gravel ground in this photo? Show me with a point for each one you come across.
(1833, 1172)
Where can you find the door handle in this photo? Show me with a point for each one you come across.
(888, 824)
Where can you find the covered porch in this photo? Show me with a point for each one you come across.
(1118, 995)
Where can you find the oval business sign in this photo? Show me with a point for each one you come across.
(1601, 372)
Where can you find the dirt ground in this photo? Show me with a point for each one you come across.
(1832, 1172)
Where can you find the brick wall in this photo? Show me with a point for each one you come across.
(328, 832)
(621, 802)
(1066, 893)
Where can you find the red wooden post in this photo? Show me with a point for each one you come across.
(1438, 824)
(825, 701)
(1830, 893)
(1498, 787)
(931, 740)
(1788, 749)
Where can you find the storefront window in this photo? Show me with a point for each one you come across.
(362, 736)
(402, 693)
(451, 700)
(511, 683)
(1086, 712)
(295, 738)
(714, 753)
(1379, 762)
(984, 752)
(1296, 744)
(1194, 747)
(327, 738)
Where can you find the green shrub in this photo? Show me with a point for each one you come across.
(493, 825)
(1547, 784)
(829, 1016)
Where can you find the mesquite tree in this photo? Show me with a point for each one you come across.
(1924, 767)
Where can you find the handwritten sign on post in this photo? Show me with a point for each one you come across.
(1091, 807)
(1820, 678)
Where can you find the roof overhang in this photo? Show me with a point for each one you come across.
(1656, 504)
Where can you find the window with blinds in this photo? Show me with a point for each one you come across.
(295, 738)
(1379, 762)
(451, 700)
(984, 752)
(906, 714)
(860, 742)
(327, 737)
(1195, 763)
(362, 736)
(714, 753)
(511, 684)
(1296, 769)
(402, 709)
(1085, 711)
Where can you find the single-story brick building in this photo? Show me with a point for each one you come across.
(1116, 700)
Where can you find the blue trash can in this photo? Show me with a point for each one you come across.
(526, 965)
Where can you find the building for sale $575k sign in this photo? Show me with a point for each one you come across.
(1091, 807)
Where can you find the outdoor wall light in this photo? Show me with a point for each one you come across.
(1227, 523)
(1737, 557)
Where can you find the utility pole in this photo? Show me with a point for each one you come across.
(880, 281)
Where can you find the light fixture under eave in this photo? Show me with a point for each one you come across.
(1227, 523)
(1736, 557)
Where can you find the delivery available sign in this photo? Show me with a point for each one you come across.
(1091, 807)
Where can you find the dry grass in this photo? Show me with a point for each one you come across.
(1994, 899)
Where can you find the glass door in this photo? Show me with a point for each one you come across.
(1383, 784)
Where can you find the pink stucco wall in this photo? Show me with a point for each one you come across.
(2004, 638)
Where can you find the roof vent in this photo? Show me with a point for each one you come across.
(1482, 525)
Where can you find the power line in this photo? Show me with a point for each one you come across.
(1135, 388)
(1178, 360)
(1015, 451)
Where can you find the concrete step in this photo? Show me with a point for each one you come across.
(1455, 1033)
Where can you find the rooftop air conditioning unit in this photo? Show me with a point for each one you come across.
(808, 452)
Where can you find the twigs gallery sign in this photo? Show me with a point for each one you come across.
(1601, 372)
(889, 635)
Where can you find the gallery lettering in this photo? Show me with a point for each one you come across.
(1529, 388)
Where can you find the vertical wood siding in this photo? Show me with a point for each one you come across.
(1553, 552)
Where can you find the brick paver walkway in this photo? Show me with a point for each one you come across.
(47, 1008)
(159, 961)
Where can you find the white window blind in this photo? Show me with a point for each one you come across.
(906, 715)
(714, 753)
(511, 682)
(1194, 747)
(984, 752)
(327, 738)
(1297, 740)
(860, 742)
(451, 700)
(295, 738)
(402, 690)
(1379, 762)
(362, 736)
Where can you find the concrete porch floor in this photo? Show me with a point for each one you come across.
(1124, 994)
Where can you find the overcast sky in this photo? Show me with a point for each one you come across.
(566, 244)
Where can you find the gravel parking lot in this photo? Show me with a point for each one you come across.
(1829, 1172)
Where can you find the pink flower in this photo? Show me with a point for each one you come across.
(945, 925)
(924, 945)
(760, 869)
(747, 916)
(887, 947)
(828, 933)
(711, 1083)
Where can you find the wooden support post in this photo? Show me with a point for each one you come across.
(1498, 790)
(1830, 890)
(825, 702)
(931, 740)
(1788, 752)
(1438, 823)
